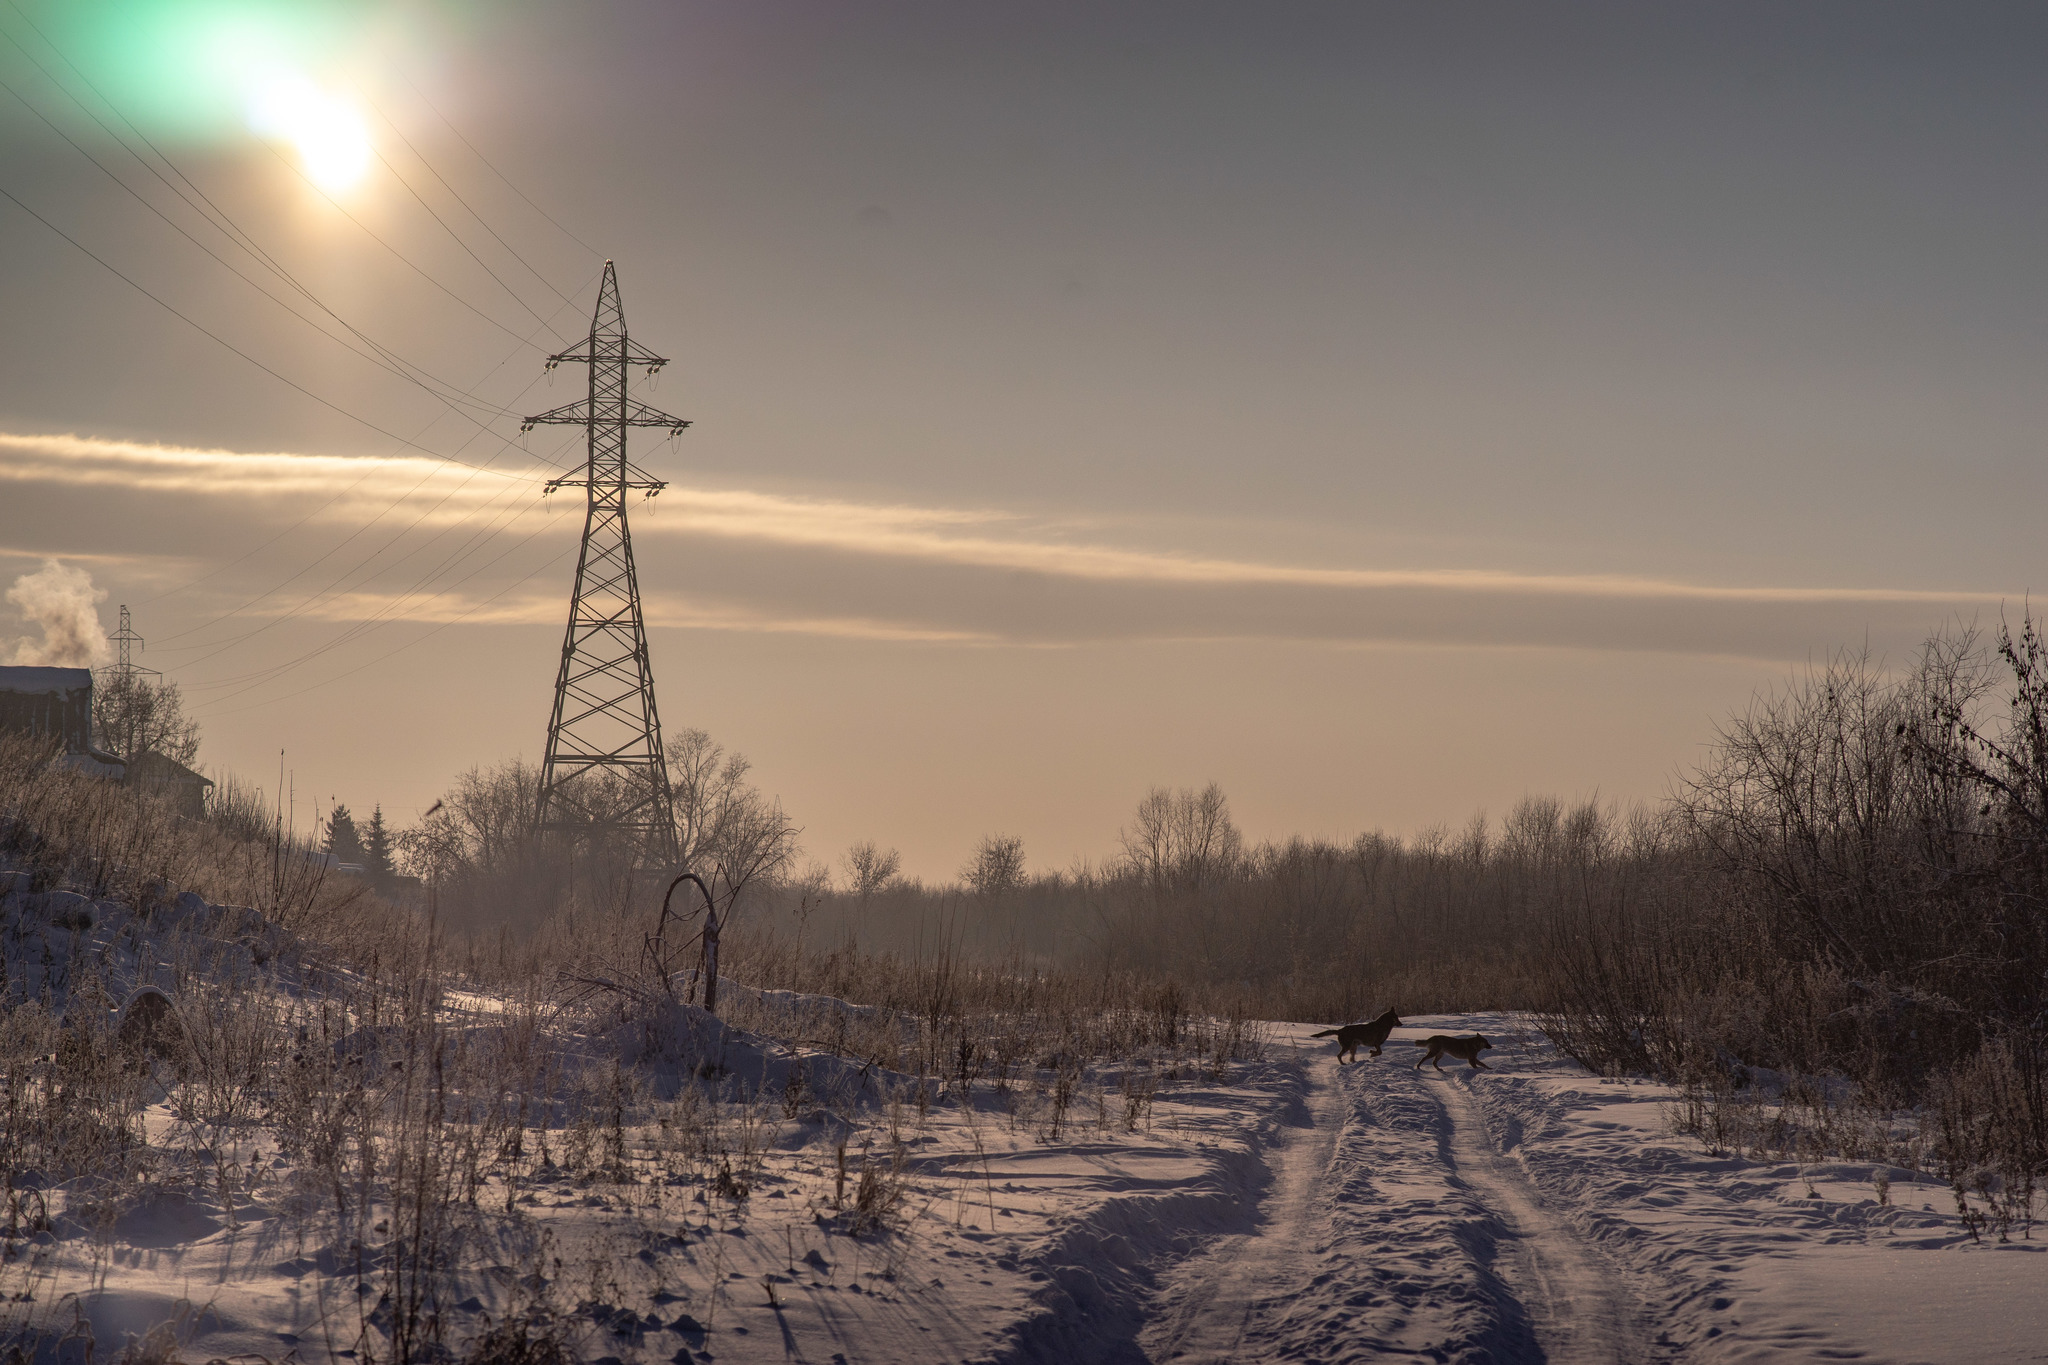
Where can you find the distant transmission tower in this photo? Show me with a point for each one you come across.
(605, 720)
(125, 639)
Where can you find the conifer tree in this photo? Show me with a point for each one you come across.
(343, 842)
(377, 846)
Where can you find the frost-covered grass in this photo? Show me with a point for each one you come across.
(339, 1157)
(320, 1161)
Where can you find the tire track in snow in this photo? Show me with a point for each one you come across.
(1393, 1227)
(1574, 1301)
(1241, 1295)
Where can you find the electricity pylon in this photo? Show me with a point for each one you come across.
(123, 639)
(605, 721)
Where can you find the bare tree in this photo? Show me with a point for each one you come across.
(1182, 840)
(997, 866)
(727, 831)
(133, 715)
(869, 869)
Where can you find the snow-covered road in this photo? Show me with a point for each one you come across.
(1528, 1212)
(1289, 1209)
(1572, 1298)
(1395, 1225)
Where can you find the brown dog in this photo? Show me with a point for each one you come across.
(1351, 1037)
(1444, 1045)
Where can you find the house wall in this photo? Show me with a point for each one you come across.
(48, 701)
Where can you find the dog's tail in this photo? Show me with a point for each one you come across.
(1326, 1033)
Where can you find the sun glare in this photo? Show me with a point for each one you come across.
(332, 140)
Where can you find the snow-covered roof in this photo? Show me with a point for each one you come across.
(44, 679)
(95, 763)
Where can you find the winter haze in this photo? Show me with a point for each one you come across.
(1382, 411)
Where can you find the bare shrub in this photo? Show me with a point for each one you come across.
(881, 1189)
(869, 869)
(525, 1339)
(1861, 875)
(996, 867)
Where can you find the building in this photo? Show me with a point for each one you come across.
(57, 703)
(49, 702)
(187, 789)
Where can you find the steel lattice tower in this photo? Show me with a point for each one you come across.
(124, 639)
(605, 721)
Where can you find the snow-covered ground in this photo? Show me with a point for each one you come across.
(1290, 1208)
(1533, 1212)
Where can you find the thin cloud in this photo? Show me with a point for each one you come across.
(661, 610)
(963, 537)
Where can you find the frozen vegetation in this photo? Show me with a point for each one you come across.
(1765, 1078)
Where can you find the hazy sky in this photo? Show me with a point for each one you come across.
(1383, 410)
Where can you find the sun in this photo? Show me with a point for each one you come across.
(332, 140)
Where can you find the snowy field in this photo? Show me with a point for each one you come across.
(1283, 1208)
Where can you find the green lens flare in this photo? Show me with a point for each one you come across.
(194, 68)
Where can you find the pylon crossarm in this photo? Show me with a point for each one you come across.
(643, 482)
(636, 354)
(636, 414)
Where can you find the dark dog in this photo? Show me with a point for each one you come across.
(1444, 1045)
(1351, 1037)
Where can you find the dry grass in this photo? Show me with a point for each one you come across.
(1849, 901)
(121, 843)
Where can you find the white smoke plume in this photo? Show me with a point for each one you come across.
(60, 600)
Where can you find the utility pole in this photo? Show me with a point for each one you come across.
(605, 721)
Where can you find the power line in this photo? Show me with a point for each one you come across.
(457, 238)
(384, 617)
(219, 646)
(247, 554)
(222, 341)
(384, 358)
(389, 507)
(248, 243)
(456, 194)
(243, 354)
(390, 611)
(450, 126)
(331, 500)
(337, 582)
(401, 256)
(548, 564)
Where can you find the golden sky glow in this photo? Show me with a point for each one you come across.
(1384, 411)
